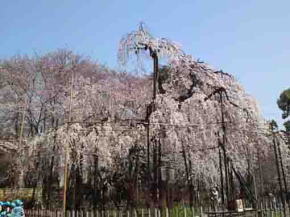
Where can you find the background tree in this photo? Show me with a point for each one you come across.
(287, 126)
(284, 103)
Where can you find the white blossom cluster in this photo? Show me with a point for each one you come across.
(192, 125)
(198, 109)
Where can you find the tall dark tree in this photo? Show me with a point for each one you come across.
(284, 103)
(287, 126)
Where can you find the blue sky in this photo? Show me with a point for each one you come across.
(247, 38)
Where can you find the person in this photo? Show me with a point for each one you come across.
(214, 196)
(17, 209)
(3, 213)
(8, 207)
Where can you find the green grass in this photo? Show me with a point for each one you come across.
(180, 211)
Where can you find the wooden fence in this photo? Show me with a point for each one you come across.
(153, 212)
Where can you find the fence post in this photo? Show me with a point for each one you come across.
(149, 212)
(184, 212)
(272, 214)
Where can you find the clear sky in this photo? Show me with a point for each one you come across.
(247, 38)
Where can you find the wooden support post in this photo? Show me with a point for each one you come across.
(66, 151)
(166, 212)
(221, 177)
(184, 212)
